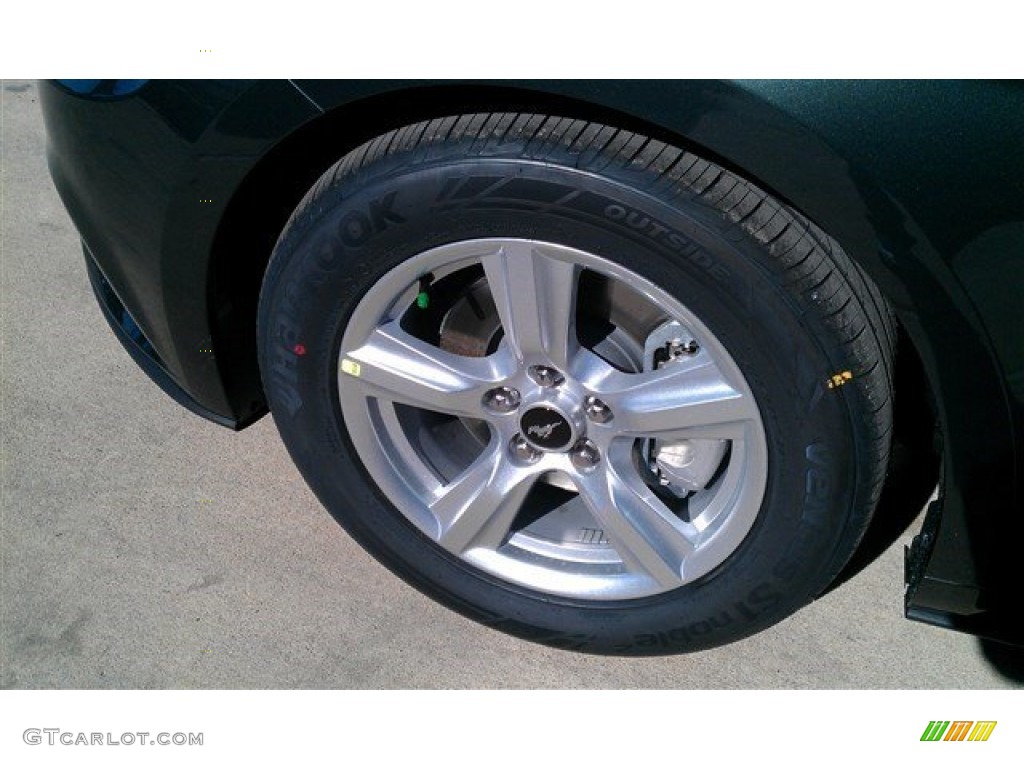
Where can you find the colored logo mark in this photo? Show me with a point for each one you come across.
(958, 730)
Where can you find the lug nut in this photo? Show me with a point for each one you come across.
(585, 455)
(597, 411)
(523, 451)
(501, 399)
(545, 376)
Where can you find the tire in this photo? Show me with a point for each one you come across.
(577, 384)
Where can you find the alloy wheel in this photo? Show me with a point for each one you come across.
(552, 418)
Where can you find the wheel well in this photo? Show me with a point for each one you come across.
(272, 190)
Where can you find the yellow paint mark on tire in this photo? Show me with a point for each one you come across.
(839, 379)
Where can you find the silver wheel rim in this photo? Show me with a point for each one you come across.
(528, 460)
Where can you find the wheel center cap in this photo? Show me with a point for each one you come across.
(547, 429)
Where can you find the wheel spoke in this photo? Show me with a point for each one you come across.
(396, 366)
(535, 295)
(478, 507)
(648, 537)
(680, 400)
(725, 493)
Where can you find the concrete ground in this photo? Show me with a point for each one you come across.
(143, 547)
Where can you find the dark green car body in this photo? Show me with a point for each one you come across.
(180, 189)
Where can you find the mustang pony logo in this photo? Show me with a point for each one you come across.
(542, 431)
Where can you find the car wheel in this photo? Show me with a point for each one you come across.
(576, 383)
